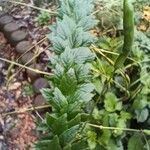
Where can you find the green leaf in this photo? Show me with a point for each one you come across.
(68, 33)
(96, 114)
(75, 121)
(59, 99)
(55, 98)
(113, 119)
(120, 124)
(111, 103)
(140, 102)
(105, 137)
(125, 115)
(42, 145)
(47, 94)
(68, 135)
(85, 92)
(98, 85)
(74, 109)
(106, 134)
(135, 143)
(115, 145)
(74, 9)
(49, 144)
(92, 139)
(67, 147)
(142, 115)
(54, 144)
(68, 83)
(60, 125)
(83, 55)
(50, 119)
(81, 144)
(146, 132)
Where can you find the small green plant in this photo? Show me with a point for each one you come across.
(43, 18)
(28, 90)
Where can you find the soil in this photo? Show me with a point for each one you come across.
(18, 126)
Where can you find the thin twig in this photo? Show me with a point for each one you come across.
(23, 66)
(109, 52)
(34, 7)
(98, 51)
(25, 110)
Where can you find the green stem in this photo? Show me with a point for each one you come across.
(128, 25)
(113, 128)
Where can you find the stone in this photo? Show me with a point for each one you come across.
(2, 13)
(5, 20)
(18, 36)
(1, 128)
(9, 28)
(3, 145)
(2, 78)
(39, 84)
(33, 75)
(23, 46)
(3, 40)
(26, 58)
(39, 101)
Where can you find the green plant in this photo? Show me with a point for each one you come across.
(43, 18)
(28, 90)
(93, 106)
(72, 87)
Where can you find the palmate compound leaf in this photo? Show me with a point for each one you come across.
(87, 23)
(70, 7)
(74, 9)
(67, 83)
(83, 93)
(59, 98)
(53, 144)
(83, 54)
(76, 56)
(66, 78)
(70, 57)
(67, 34)
(74, 109)
(83, 72)
(76, 120)
(69, 135)
(65, 27)
(55, 98)
(49, 144)
(79, 145)
(59, 125)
